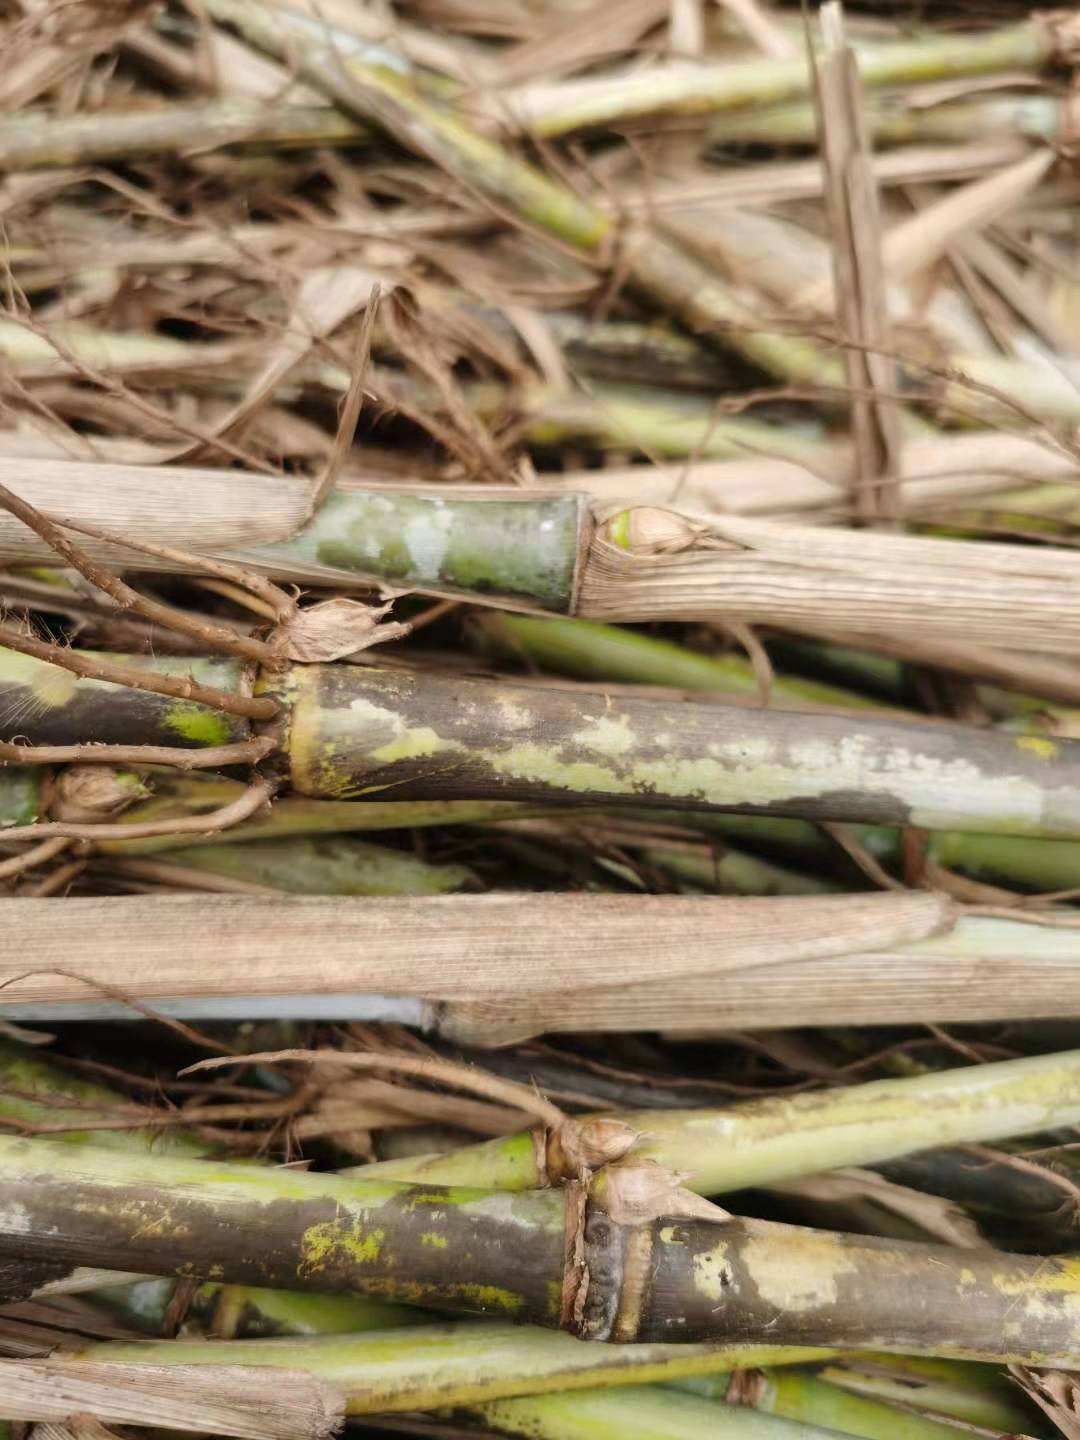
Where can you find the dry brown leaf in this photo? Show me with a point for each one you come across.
(335, 628)
(1056, 1393)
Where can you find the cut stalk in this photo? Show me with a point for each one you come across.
(356, 732)
(458, 1363)
(519, 1256)
(41, 700)
(34, 1090)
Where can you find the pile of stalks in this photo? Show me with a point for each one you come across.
(540, 680)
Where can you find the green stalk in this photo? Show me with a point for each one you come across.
(892, 119)
(611, 653)
(712, 89)
(730, 872)
(306, 865)
(294, 816)
(947, 1389)
(521, 550)
(1028, 864)
(808, 1400)
(628, 1414)
(457, 1363)
(40, 139)
(781, 1138)
(483, 1250)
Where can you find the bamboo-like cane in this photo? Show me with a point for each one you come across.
(761, 1142)
(537, 550)
(634, 1415)
(41, 140)
(900, 119)
(356, 732)
(558, 109)
(558, 1258)
(36, 1091)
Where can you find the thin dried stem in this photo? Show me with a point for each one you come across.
(464, 1077)
(281, 604)
(213, 757)
(214, 637)
(29, 859)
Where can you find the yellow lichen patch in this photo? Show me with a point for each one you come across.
(800, 1274)
(1038, 745)
(607, 735)
(540, 764)
(712, 1271)
(434, 1239)
(412, 745)
(336, 1242)
(488, 1297)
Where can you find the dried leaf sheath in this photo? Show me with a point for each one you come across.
(490, 969)
(553, 1257)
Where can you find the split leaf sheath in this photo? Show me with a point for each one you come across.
(552, 1257)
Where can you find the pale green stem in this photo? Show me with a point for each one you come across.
(330, 866)
(798, 1396)
(629, 1414)
(730, 872)
(591, 651)
(293, 815)
(782, 1138)
(711, 89)
(460, 1363)
(893, 120)
(972, 1394)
